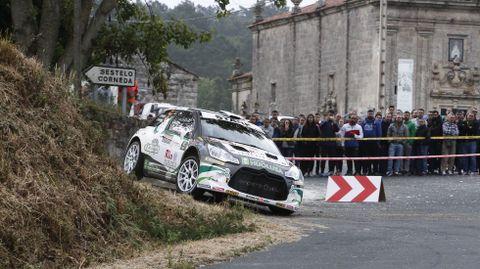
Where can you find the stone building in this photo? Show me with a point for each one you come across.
(328, 55)
(182, 85)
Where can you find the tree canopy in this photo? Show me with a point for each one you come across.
(113, 29)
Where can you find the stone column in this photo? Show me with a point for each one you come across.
(391, 66)
(423, 67)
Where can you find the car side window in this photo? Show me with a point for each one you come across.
(183, 123)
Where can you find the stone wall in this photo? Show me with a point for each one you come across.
(333, 57)
(422, 34)
(241, 91)
(182, 85)
(337, 47)
(116, 129)
(272, 58)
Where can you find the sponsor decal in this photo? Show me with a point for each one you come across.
(251, 197)
(168, 154)
(290, 207)
(282, 205)
(153, 147)
(232, 193)
(218, 189)
(204, 186)
(170, 158)
(167, 138)
(261, 164)
(262, 200)
(184, 145)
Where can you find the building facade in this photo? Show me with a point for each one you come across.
(182, 85)
(329, 56)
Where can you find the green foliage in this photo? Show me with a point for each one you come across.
(136, 32)
(214, 94)
(231, 38)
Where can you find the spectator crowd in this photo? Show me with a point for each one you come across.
(396, 124)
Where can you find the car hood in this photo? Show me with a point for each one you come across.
(245, 151)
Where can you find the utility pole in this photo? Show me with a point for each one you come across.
(382, 45)
(77, 65)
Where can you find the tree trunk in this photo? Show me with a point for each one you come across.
(89, 35)
(48, 33)
(77, 38)
(24, 25)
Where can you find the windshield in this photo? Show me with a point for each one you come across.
(239, 133)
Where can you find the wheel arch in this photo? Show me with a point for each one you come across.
(133, 139)
(191, 151)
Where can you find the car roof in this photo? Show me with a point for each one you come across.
(226, 116)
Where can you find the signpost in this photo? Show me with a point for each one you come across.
(113, 76)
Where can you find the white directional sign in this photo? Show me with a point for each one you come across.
(114, 76)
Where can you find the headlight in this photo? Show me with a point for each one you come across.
(221, 154)
(295, 174)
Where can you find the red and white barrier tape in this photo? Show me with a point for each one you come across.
(379, 158)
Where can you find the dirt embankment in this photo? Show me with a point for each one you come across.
(63, 203)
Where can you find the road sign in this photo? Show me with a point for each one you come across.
(355, 189)
(115, 76)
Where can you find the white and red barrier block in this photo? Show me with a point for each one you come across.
(355, 189)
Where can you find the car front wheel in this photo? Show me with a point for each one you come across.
(187, 176)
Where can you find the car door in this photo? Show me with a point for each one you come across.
(152, 140)
(176, 138)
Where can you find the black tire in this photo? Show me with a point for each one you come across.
(189, 189)
(280, 211)
(139, 160)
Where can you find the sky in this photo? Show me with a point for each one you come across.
(233, 3)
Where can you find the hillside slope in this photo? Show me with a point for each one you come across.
(63, 204)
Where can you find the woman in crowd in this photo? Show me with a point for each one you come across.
(286, 131)
(309, 148)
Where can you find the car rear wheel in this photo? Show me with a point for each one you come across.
(280, 211)
(133, 161)
(187, 177)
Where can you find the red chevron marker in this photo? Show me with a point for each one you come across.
(369, 188)
(345, 188)
(355, 189)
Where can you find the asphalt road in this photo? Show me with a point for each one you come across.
(426, 222)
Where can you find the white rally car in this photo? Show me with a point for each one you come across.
(201, 151)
